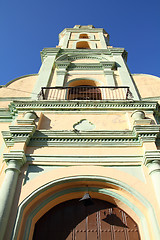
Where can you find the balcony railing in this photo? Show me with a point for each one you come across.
(85, 93)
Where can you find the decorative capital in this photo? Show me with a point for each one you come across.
(15, 159)
(151, 156)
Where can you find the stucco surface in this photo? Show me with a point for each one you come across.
(148, 85)
(65, 121)
(21, 87)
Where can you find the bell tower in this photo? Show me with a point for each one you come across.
(84, 57)
(83, 37)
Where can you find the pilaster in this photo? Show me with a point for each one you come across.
(109, 77)
(102, 40)
(66, 39)
(48, 56)
(124, 73)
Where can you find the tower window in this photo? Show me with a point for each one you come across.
(82, 45)
(83, 35)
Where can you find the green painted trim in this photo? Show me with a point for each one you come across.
(21, 133)
(49, 52)
(5, 115)
(100, 190)
(83, 105)
(17, 155)
(7, 84)
(3, 99)
(91, 66)
(75, 56)
(151, 98)
(128, 160)
(151, 156)
(80, 138)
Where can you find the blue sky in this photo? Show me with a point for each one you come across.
(29, 26)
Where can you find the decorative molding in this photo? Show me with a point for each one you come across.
(18, 134)
(80, 136)
(83, 125)
(83, 105)
(91, 66)
(108, 159)
(49, 52)
(25, 121)
(151, 156)
(15, 155)
(62, 65)
(97, 51)
(147, 133)
(5, 115)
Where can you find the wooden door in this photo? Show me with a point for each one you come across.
(72, 220)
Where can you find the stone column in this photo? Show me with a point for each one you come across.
(14, 160)
(152, 161)
(45, 72)
(125, 76)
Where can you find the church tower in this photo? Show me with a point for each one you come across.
(80, 146)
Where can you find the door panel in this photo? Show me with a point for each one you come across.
(72, 220)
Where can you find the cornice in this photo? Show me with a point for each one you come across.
(18, 134)
(147, 133)
(81, 105)
(58, 52)
(78, 30)
(49, 52)
(86, 138)
(91, 138)
(108, 51)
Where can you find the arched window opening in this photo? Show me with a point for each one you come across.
(83, 35)
(82, 45)
(84, 92)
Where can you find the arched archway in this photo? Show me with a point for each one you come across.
(55, 192)
(72, 220)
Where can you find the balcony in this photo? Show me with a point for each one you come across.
(85, 93)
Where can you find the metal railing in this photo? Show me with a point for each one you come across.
(85, 93)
